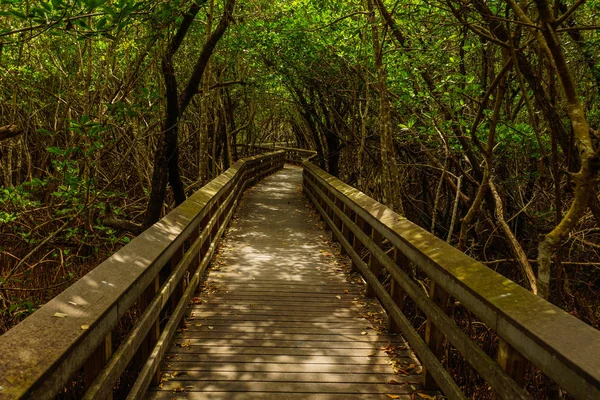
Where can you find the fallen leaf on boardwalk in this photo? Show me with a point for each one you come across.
(363, 333)
(425, 396)
(196, 300)
(198, 324)
(346, 291)
(85, 327)
(393, 382)
(184, 344)
(393, 396)
(210, 327)
(339, 297)
(59, 315)
(178, 389)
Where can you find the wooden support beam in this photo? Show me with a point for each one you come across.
(97, 360)
(357, 245)
(433, 335)
(181, 284)
(396, 292)
(512, 362)
(345, 229)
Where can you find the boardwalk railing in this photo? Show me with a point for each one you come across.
(297, 156)
(247, 150)
(293, 155)
(151, 281)
(529, 328)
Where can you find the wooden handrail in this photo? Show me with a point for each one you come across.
(529, 328)
(293, 155)
(158, 270)
(297, 156)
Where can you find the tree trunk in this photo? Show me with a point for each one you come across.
(390, 172)
(166, 160)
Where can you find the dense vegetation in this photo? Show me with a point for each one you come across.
(477, 119)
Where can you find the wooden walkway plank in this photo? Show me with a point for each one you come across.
(279, 318)
(164, 395)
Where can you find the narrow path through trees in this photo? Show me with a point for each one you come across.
(279, 318)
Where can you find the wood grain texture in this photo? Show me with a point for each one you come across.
(280, 318)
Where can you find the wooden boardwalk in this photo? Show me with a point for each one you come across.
(280, 319)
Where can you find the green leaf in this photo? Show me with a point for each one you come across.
(54, 150)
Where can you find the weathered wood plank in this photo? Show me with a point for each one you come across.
(206, 335)
(291, 387)
(281, 351)
(166, 395)
(197, 343)
(227, 360)
(279, 376)
(359, 368)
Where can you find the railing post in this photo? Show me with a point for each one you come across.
(512, 362)
(345, 229)
(97, 361)
(207, 240)
(396, 291)
(321, 200)
(215, 227)
(336, 219)
(197, 258)
(357, 245)
(178, 292)
(152, 337)
(332, 214)
(223, 212)
(374, 264)
(433, 336)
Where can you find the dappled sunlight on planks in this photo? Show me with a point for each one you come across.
(278, 316)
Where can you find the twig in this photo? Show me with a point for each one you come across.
(454, 209)
(39, 289)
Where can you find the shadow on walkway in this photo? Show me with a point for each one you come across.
(279, 317)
